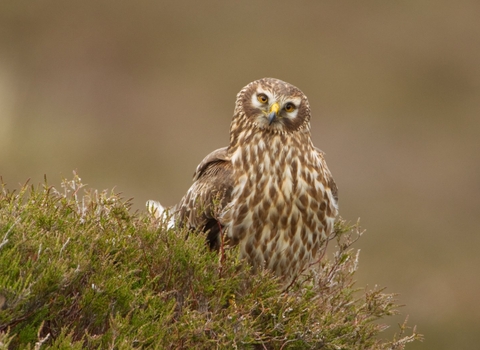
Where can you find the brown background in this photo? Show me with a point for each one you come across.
(135, 94)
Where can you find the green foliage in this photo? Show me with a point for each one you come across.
(79, 270)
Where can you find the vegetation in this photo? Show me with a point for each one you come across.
(79, 270)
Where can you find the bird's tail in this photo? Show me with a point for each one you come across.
(159, 212)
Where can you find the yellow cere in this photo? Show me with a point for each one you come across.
(275, 108)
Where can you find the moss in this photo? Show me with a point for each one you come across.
(80, 270)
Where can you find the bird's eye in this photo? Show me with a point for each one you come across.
(262, 98)
(289, 107)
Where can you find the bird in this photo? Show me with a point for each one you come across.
(269, 191)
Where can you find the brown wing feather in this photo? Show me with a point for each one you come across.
(331, 183)
(211, 191)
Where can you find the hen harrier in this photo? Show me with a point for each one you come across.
(270, 190)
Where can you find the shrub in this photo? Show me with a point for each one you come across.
(79, 270)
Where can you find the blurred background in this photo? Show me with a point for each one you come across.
(133, 95)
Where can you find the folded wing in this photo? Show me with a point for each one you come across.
(211, 191)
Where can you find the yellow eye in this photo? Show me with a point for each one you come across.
(262, 98)
(289, 107)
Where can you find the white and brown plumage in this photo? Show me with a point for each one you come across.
(270, 190)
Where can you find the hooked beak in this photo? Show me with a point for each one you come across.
(273, 114)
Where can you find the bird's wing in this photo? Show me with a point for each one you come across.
(210, 192)
(328, 175)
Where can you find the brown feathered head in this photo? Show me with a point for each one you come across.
(273, 105)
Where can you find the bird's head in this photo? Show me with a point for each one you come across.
(272, 104)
